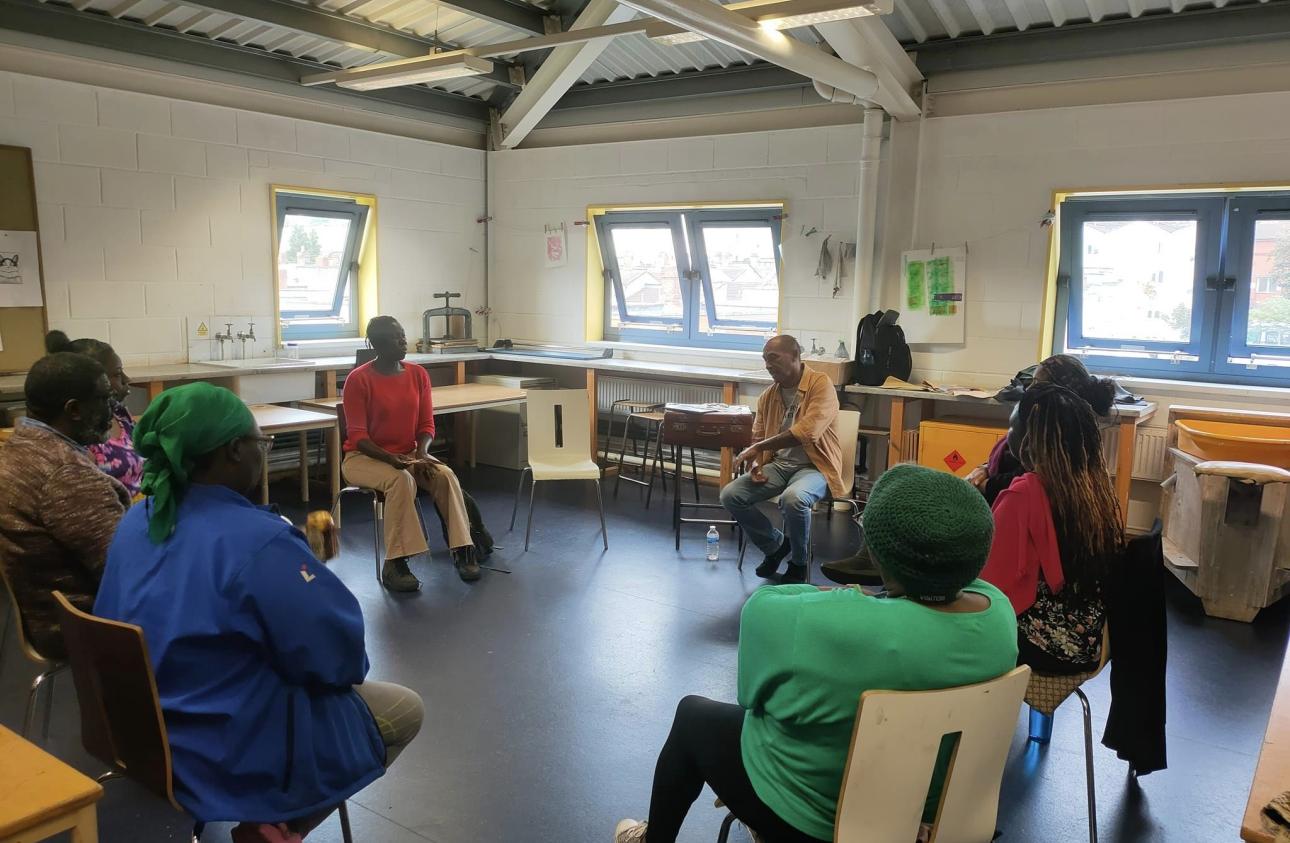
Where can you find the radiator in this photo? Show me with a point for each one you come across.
(1149, 452)
(655, 392)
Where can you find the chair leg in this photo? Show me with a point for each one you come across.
(1041, 726)
(622, 452)
(725, 828)
(345, 834)
(378, 534)
(528, 530)
(108, 776)
(694, 473)
(33, 697)
(600, 499)
(1088, 766)
(4, 633)
(198, 828)
(654, 466)
(518, 490)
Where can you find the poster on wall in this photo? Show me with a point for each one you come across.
(933, 291)
(555, 246)
(19, 270)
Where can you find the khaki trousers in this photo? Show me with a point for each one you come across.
(403, 534)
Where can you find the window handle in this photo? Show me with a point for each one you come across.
(1229, 284)
(1211, 283)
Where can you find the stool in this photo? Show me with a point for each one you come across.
(678, 504)
(652, 419)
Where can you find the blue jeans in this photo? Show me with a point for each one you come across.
(798, 491)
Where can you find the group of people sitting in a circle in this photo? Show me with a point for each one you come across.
(259, 649)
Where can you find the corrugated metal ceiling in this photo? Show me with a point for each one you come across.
(628, 57)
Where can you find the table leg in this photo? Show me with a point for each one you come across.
(304, 466)
(329, 384)
(474, 434)
(593, 401)
(333, 465)
(461, 371)
(264, 481)
(729, 394)
(1124, 465)
(155, 388)
(897, 439)
(86, 829)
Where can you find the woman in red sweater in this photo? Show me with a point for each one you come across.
(1057, 530)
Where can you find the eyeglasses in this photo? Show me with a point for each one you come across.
(264, 443)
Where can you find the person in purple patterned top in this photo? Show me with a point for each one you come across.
(117, 456)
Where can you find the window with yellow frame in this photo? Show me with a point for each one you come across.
(324, 252)
(706, 277)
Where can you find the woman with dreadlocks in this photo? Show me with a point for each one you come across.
(1057, 530)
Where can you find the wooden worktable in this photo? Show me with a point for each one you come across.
(1272, 776)
(456, 398)
(274, 419)
(1127, 416)
(41, 796)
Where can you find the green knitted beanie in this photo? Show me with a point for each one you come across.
(928, 531)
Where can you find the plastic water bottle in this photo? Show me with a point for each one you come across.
(714, 543)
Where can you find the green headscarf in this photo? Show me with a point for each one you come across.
(180, 425)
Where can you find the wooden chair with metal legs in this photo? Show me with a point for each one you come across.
(378, 504)
(49, 667)
(894, 747)
(121, 720)
(650, 416)
(559, 448)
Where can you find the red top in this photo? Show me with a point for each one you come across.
(391, 410)
(1025, 543)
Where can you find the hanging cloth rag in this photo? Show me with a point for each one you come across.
(825, 267)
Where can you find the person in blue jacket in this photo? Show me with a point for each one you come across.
(257, 647)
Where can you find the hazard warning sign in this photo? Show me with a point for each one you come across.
(955, 460)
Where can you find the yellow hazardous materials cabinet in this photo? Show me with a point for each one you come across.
(956, 446)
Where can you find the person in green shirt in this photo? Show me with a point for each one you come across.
(806, 654)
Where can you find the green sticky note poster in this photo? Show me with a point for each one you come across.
(915, 285)
(940, 279)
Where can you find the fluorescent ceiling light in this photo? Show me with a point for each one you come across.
(779, 14)
(431, 69)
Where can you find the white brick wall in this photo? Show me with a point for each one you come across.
(154, 211)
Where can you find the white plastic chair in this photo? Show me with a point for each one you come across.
(559, 421)
(894, 745)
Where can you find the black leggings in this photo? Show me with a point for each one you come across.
(703, 746)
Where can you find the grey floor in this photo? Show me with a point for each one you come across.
(550, 690)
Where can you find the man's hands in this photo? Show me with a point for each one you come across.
(747, 459)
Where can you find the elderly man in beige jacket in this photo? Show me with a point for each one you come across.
(795, 454)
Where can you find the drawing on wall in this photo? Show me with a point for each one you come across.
(933, 294)
(19, 270)
(555, 246)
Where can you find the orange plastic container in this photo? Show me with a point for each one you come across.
(1214, 440)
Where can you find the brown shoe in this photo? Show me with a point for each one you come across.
(858, 569)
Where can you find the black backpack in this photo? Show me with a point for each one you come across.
(881, 350)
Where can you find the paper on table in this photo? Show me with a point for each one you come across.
(928, 386)
(19, 270)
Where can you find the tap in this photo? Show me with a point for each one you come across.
(227, 336)
(249, 335)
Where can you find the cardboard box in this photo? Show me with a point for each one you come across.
(835, 369)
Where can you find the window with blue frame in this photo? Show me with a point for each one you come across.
(1193, 287)
(706, 278)
(319, 241)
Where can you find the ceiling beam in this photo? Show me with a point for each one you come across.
(520, 16)
(867, 42)
(319, 23)
(559, 72)
(736, 79)
(1111, 37)
(62, 22)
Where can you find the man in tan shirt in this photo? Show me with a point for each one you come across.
(795, 454)
(58, 511)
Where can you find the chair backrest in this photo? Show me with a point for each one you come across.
(342, 430)
(894, 747)
(24, 641)
(121, 720)
(847, 426)
(559, 426)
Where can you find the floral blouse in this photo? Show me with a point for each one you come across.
(1066, 625)
(117, 456)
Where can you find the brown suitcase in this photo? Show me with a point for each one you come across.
(707, 425)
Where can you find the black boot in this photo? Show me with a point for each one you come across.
(467, 565)
(770, 565)
(396, 577)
